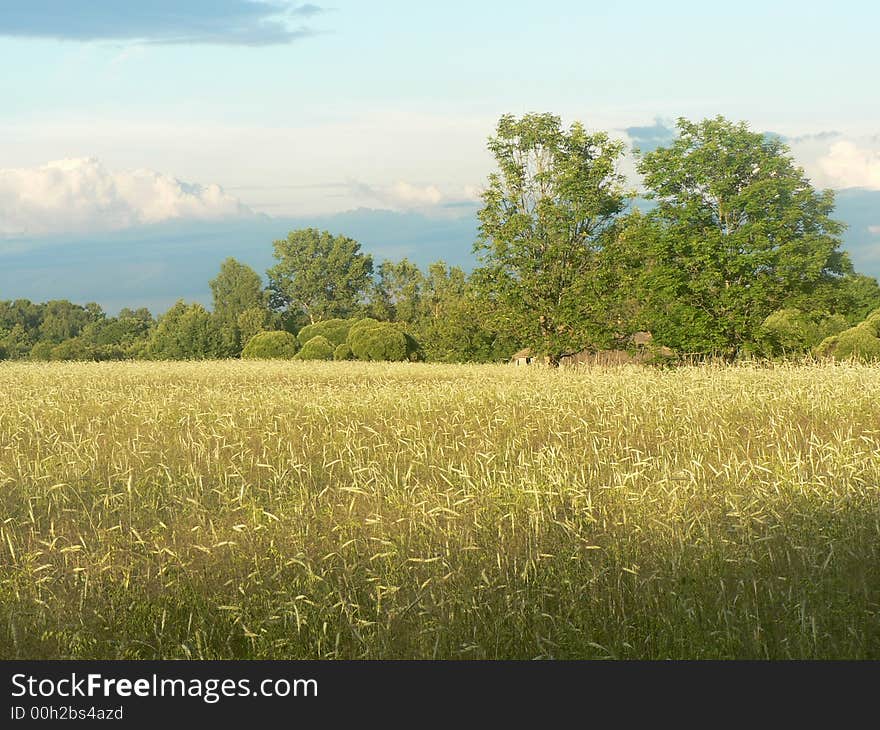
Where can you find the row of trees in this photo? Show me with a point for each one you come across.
(735, 254)
(321, 285)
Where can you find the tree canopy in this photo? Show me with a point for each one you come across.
(548, 212)
(737, 232)
(319, 275)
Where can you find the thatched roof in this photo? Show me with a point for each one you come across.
(526, 352)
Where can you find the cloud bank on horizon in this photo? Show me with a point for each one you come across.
(83, 196)
(223, 22)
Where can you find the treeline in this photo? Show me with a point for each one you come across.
(321, 286)
(737, 255)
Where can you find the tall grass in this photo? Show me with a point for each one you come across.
(348, 510)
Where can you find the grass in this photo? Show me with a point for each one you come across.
(349, 510)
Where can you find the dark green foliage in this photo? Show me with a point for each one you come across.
(737, 233)
(42, 351)
(549, 213)
(334, 331)
(397, 293)
(236, 289)
(63, 320)
(186, 332)
(78, 348)
(317, 348)
(275, 345)
(454, 322)
(16, 342)
(319, 275)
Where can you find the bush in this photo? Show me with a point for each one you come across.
(274, 345)
(832, 325)
(858, 343)
(317, 348)
(372, 340)
(787, 331)
(872, 322)
(335, 331)
(42, 351)
(343, 352)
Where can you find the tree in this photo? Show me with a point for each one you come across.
(398, 290)
(236, 289)
(16, 343)
(548, 214)
(63, 320)
(319, 275)
(185, 332)
(251, 322)
(737, 232)
(452, 325)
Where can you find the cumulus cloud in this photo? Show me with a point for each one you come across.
(848, 165)
(83, 196)
(406, 196)
(227, 22)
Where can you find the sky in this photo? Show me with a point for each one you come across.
(124, 115)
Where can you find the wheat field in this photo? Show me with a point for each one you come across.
(354, 510)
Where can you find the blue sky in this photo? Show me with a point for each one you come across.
(303, 109)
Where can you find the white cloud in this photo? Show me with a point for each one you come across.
(81, 196)
(407, 195)
(874, 230)
(473, 193)
(848, 165)
(404, 196)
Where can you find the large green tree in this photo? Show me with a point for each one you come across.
(453, 324)
(236, 289)
(319, 275)
(397, 291)
(737, 232)
(548, 214)
(185, 332)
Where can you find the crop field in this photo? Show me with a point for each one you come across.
(354, 510)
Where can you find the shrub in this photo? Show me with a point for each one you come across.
(832, 325)
(335, 331)
(372, 340)
(787, 331)
(317, 348)
(859, 343)
(872, 322)
(274, 345)
(42, 351)
(343, 352)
